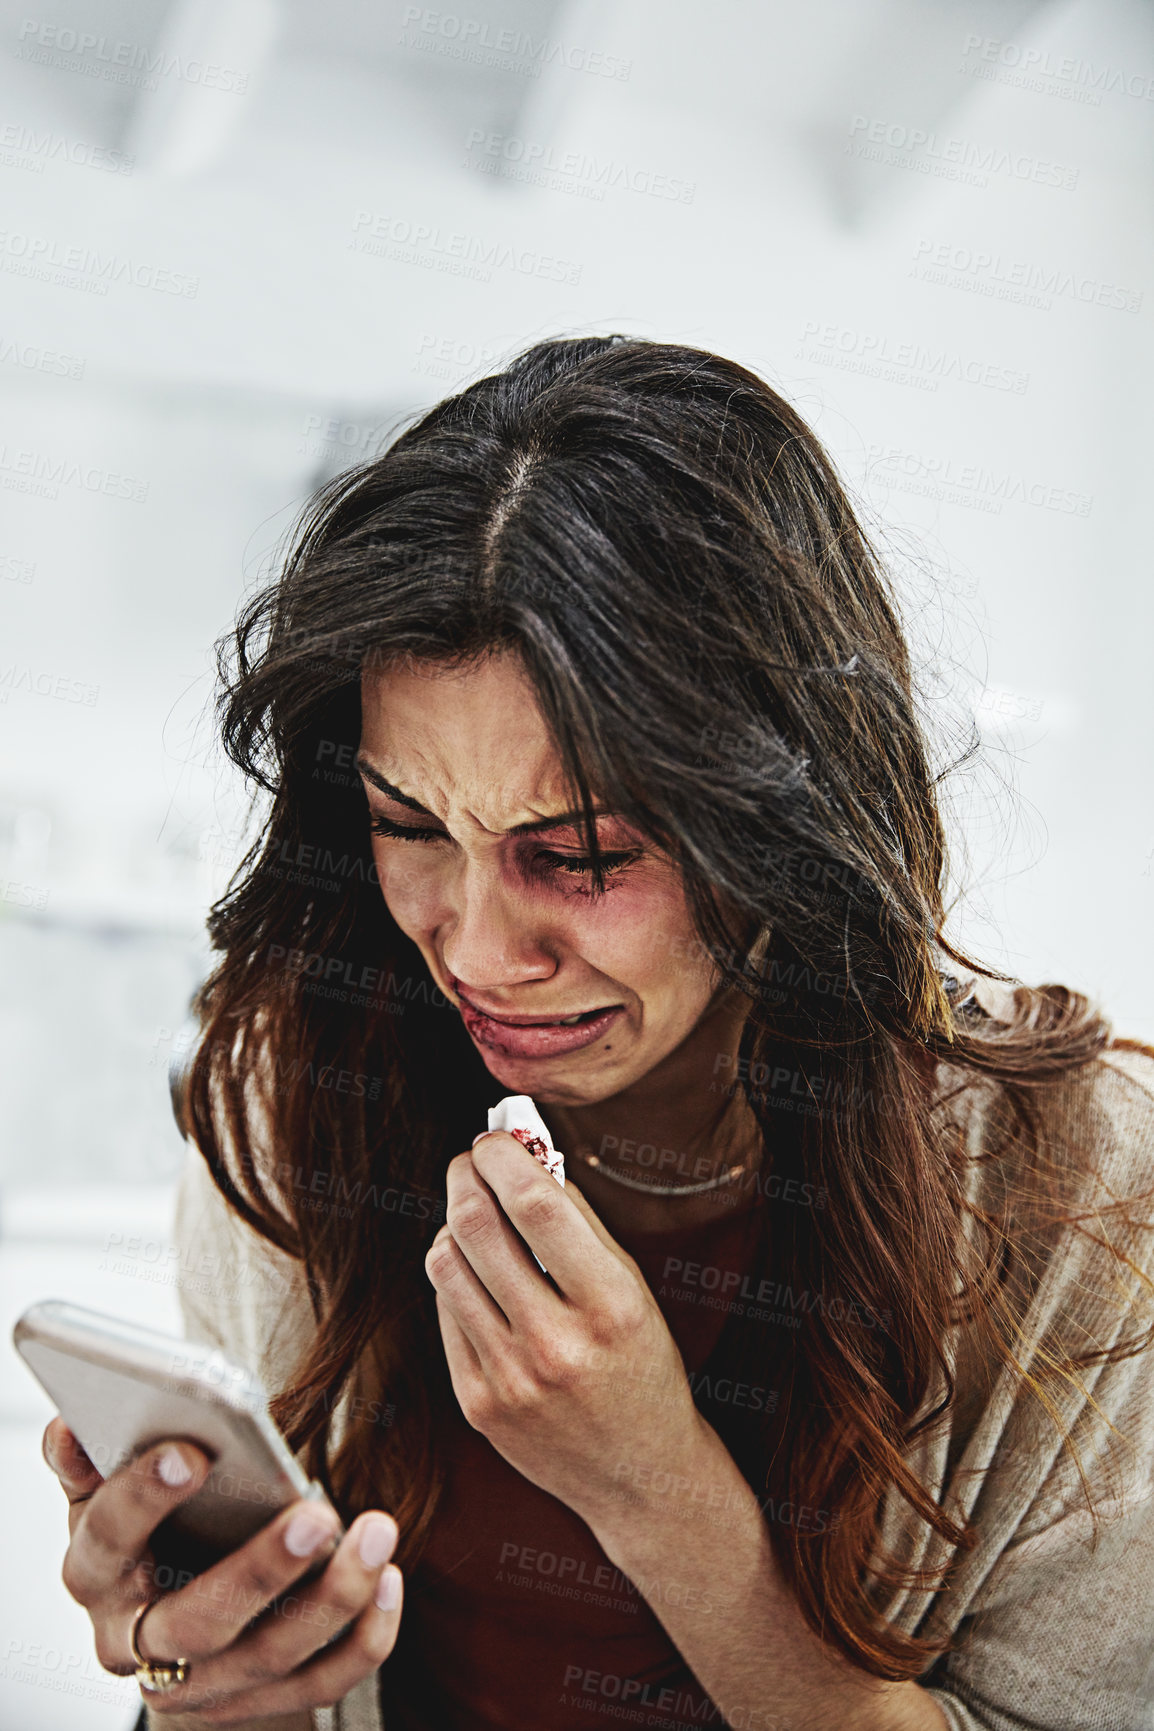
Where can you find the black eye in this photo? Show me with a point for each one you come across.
(580, 862)
(545, 860)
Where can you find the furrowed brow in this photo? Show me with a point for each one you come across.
(377, 780)
(563, 820)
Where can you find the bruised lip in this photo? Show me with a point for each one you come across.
(562, 1016)
(537, 1039)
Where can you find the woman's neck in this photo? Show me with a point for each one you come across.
(680, 1125)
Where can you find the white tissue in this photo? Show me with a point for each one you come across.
(517, 1113)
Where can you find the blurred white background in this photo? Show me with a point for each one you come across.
(242, 240)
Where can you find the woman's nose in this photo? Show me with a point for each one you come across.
(492, 937)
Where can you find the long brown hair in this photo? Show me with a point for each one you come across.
(718, 656)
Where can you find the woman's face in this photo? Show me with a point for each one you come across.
(482, 868)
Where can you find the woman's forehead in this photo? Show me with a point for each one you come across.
(473, 738)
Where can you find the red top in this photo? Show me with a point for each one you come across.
(515, 1619)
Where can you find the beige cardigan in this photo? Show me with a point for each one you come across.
(1059, 1637)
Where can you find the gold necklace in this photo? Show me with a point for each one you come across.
(730, 1174)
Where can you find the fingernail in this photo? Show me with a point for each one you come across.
(173, 1468)
(388, 1593)
(306, 1533)
(377, 1542)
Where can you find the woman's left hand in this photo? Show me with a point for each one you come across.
(572, 1386)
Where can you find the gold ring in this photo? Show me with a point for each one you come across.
(155, 1674)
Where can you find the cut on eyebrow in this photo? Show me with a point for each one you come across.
(377, 780)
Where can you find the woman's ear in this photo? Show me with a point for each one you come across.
(756, 954)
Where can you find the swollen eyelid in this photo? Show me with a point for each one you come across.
(538, 860)
(581, 862)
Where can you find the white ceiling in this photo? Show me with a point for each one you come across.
(296, 346)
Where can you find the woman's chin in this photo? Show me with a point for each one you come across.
(556, 1081)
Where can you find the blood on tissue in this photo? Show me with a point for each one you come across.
(537, 1149)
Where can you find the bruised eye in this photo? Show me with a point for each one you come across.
(543, 860)
(582, 862)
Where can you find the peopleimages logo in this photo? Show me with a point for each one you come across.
(26, 147)
(426, 244)
(502, 50)
(39, 1664)
(45, 683)
(900, 146)
(1050, 74)
(923, 366)
(48, 260)
(972, 484)
(575, 172)
(35, 359)
(120, 62)
(43, 474)
(451, 358)
(976, 271)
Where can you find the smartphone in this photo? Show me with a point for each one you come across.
(120, 1388)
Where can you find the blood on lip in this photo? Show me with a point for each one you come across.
(543, 1022)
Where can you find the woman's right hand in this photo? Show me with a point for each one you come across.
(282, 1664)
